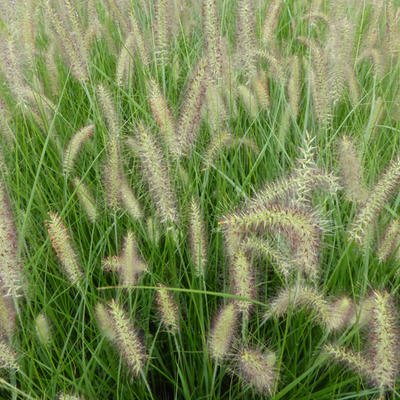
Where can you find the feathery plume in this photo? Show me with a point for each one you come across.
(167, 308)
(129, 200)
(124, 66)
(66, 396)
(222, 332)
(163, 116)
(301, 227)
(86, 199)
(189, 118)
(7, 316)
(249, 101)
(375, 202)
(139, 41)
(212, 39)
(271, 21)
(42, 327)
(215, 108)
(156, 173)
(131, 263)
(10, 268)
(276, 67)
(332, 316)
(294, 87)
(8, 358)
(352, 84)
(319, 81)
(351, 170)
(74, 146)
(70, 38)
(389, 241)
(242, 277)
(126, 338)
(161, 30)
(5, 128)
(353, 360)
(217, 143)
(271, 252)
(197, 236)
(61, 243)
(259, 85)
(108, 109)
(377, 59)
(257, 368)
(246, 38)
(384, 342)
(104, 321)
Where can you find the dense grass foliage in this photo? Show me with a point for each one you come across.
(199, 199)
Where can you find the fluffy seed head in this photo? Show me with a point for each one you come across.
(127, 339)
(74, 146)
(351, 170)
(197, 235)
(168, 309)
(257, 368)
(10, 268)
(390, 240)
(7, 316)
(375, 202)
(104, 321)
(8, 359)
(43, 329)
(223, 331)
(61, 243)
(86, 199)
(129, 201)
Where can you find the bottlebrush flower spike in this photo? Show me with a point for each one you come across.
(390, 240)
(384, 342)
(161, 30)
(249, 101)
(271, 22)
(221, 336)
(129, 201)
(8, 359)
(189, 118)
(104, 321)
(168, 309)
(246, 50)
(126, 338)
(212, 37)
(294, 87)
(355, 361)
(257, 368)
(131, 263)
(156, 173)
(375, 202)
(351, 170)
(259, 85)
(163, 116)
(65, 396)
(124, 67)
(86, 199)
(74, 146)
(218, 142)
(139, 41)
(108, 110)
(60, 241)
(42, 327)
(301, 227)
(10, 267)
(242, 278)
(332, 316)
(266, 248)
(7, 316)
(319, 81)
(197, 236)
(215, 108)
